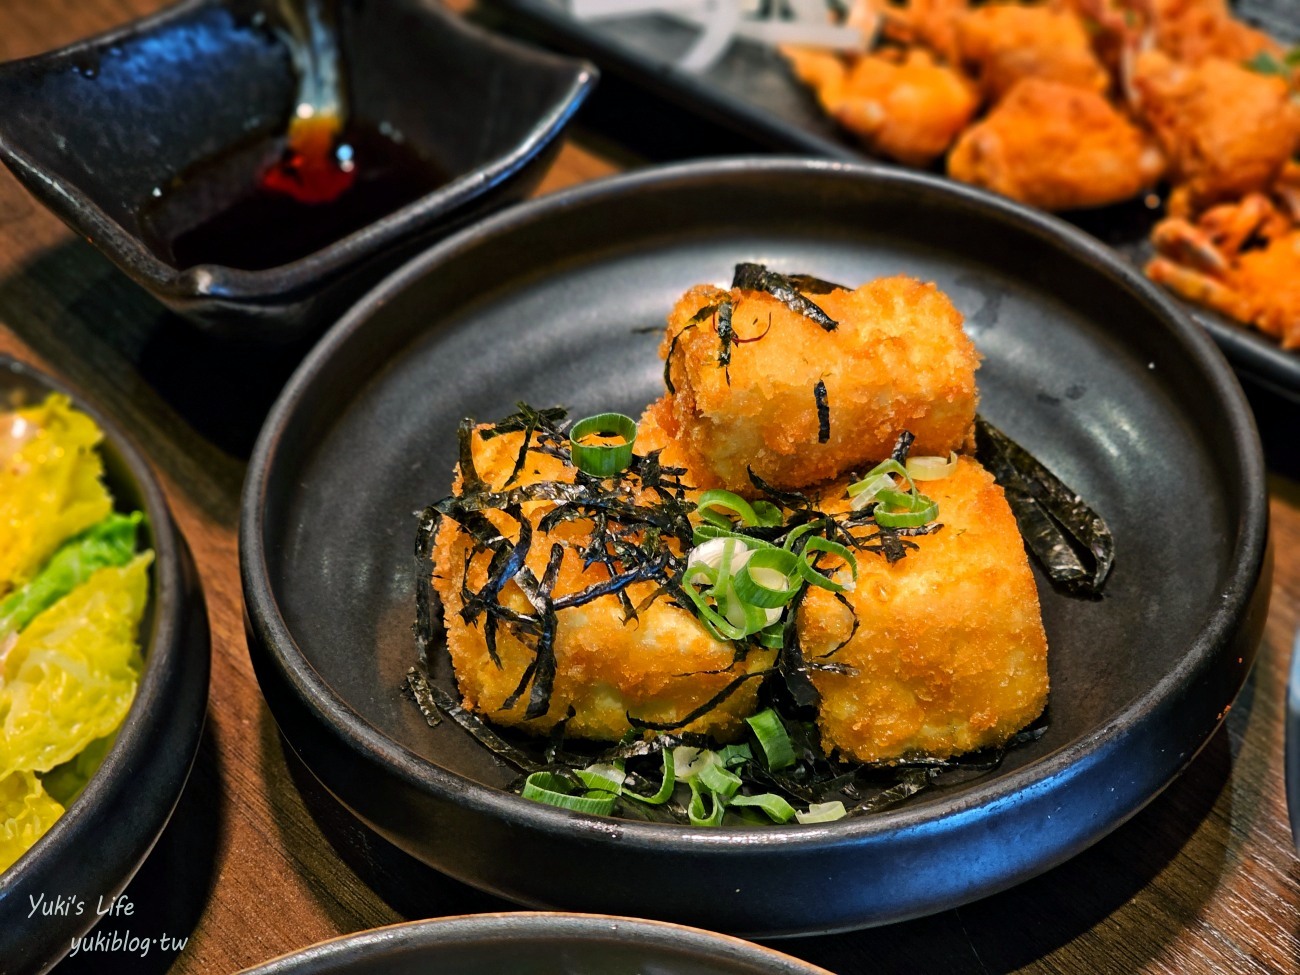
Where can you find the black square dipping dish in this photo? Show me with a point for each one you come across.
(151, 141)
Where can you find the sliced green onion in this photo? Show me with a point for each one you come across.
(931, 468)
(795, 534)
(554, 790)
(822, 812)
(869, 489)
(733, 755)
(602, 460)
(769, 515)
(773, 739)
(700, 814)
(716, 561)
(719, 781)
(899, 510)
(603, 778)
(768, 578)
(772, 637)
(666, 786)
(747, 616)
(777, 809)
(712, 500)
(689, 761)
(719, 627)
(808, 572)
(890, 466)
(708, 533)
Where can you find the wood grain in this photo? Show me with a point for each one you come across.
(259, 861)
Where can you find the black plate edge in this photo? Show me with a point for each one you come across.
(1237, 621)
(327, 956)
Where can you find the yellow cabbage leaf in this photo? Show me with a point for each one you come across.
(51, 484)
(26, 812)
(71, 675)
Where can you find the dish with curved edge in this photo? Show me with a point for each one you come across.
(1086, 364)
(95, 847)
(537, 944)
(204, 79)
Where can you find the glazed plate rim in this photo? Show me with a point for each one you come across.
(431, 933)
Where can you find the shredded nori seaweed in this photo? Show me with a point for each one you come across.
(823, 412)
(725, 336)
(812, 285)
(1070, 540)
(756, 277)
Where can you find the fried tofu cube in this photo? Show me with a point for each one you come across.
(898, 360)
(949, 654)
(659, 666)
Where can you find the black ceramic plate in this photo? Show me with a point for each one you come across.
(751, 91)
(96, 846)
(96, 129)
(537, 944)
(1085, 363)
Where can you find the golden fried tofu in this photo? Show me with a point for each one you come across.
(658, 667)
(1058, 147)
(909, 110)
(950, 653)
(1226, 130)
(1002, 43)
(800, 404)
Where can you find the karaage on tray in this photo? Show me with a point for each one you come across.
(1086, 103)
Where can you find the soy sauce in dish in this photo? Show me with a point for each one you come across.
(268, 202)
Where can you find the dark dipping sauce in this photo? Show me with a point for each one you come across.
(222, 210)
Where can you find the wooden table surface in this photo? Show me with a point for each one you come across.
(259, 861)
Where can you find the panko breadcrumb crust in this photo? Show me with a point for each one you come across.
(899, 360)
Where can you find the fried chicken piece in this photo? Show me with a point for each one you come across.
(909, 111)
(931, 24)
(1058, 147)
(1240, 259)
(1001, 44)
(898, 360)
(949, 654)
(1193, 31)
(1226, 130)
(1271, 277)
(657, 666)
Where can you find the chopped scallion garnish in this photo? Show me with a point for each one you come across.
(777, 809)
(556, 790)
(602, 460)
(773, 739)
(822, 812)
(931, 468)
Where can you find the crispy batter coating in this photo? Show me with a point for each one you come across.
(1208, 262)
(1226, 130)
(899, 360)
(1057, 147)
(656, 667)
(1196, 30)
(909, 110)
(950, 653)
(1004, 43)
